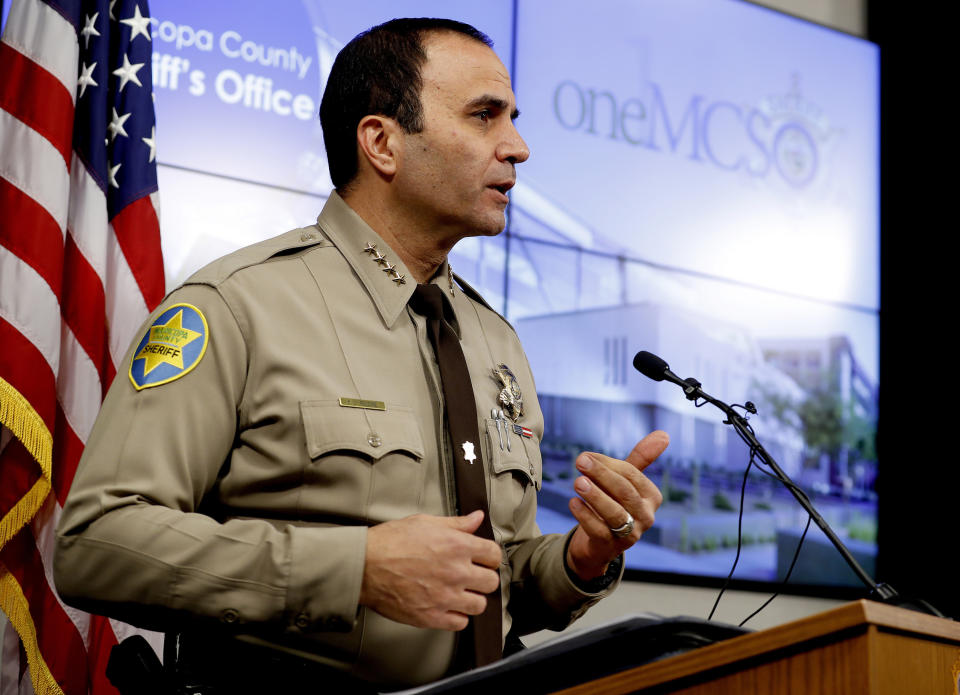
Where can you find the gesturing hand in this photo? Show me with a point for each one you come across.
(430, 571)
(612, 492)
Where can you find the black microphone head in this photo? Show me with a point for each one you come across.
(650, 365)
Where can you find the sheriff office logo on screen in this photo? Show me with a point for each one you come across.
(783, 136)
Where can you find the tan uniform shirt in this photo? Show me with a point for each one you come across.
(241, 491)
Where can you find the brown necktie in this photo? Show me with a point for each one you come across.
(461, 414)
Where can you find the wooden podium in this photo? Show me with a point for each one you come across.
(860, 648)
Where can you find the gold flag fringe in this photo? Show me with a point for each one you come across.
(15, 605)
(18, 416)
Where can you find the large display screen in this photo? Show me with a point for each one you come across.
(703, 185)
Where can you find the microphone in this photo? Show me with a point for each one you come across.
(657, 369)
(650, 365)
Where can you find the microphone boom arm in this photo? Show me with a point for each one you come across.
(656, 369)
(883, 591)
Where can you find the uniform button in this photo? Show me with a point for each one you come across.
(302, 621)
(373, 439)
(308, 236)
(531, 469)
(229, 616)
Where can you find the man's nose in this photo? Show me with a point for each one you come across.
(513, 149)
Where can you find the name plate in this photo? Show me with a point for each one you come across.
(360, 403)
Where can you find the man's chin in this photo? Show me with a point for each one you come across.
(493, 226)
(489, 225)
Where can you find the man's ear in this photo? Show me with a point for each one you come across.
(377, 142)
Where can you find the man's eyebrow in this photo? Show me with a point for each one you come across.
(491, 101)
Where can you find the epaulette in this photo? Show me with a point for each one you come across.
(286, 244)
(478, 298)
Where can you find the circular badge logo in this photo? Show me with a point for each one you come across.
(795, 154)
(171, 347)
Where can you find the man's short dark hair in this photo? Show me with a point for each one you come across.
(378, 72)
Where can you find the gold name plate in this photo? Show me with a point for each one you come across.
(360, 403)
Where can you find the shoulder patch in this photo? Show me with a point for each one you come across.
(171, 347)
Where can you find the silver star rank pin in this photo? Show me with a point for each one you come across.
(386, 265)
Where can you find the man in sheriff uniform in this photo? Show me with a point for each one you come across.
(273, 472)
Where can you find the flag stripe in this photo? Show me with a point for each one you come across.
(126, 307)
(12, 679)
(89, 229)
(100, 642)
(30, 306)
(138, 232)
(88, 218)
(38, 385)
(44, 534)
(43, 35)
(78, 385)
(18, 479)
(33, 165)
(47, 109)
(111, 373)
(84, 311)
(155, 201)
(40, 247)
(67, 449)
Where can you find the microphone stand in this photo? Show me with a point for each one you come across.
(693, 392)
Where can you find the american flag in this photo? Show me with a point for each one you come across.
(80, 268)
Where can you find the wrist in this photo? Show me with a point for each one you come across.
(595, 577)
(583, 570)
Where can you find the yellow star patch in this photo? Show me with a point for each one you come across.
(170, 347)
(166, 344)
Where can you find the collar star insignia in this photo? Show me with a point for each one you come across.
(387, 267)
(171, 336)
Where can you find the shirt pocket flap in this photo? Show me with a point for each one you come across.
(331, 427)
(523, 456)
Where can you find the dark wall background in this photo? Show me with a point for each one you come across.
(919, 515)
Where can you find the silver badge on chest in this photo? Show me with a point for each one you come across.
(510, 397)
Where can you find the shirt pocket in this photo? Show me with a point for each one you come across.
(516, 476)
(364, 464)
